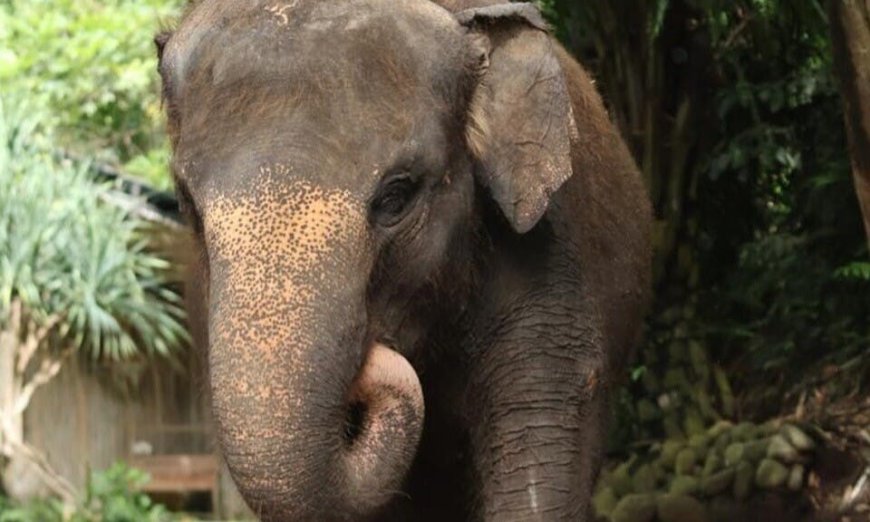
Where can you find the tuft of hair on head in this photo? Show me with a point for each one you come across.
(477, 128)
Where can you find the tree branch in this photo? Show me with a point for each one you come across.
(47, 371)
(35, 337)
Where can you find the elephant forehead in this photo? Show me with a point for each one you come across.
(291, 224)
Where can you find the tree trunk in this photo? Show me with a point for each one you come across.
(850, 36)
(11, 426)
(19, 345)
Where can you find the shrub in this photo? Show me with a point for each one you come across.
(92, 63)
(111, 496)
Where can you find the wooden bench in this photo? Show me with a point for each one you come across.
(180, 474)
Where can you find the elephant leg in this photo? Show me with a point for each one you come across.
(539, 439)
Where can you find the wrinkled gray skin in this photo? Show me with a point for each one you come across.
(422, 255)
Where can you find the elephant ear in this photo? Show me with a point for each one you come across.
(520, 117)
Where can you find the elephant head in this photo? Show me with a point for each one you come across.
(334, 159)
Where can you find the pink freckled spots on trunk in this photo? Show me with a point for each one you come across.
(270, 244)
(264, 393)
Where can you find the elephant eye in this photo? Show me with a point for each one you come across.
(394, 199)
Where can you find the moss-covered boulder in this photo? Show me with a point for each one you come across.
(686, 460)
(685, 485)
(770, 474)
(780, 449)
(670, 449)
(637, 507)
(797, 438)
(712, 464)
(755, 450)
(645, 479)
(795, 477)
(620, 480)
(717, 482)
(680, 508)
(604, 501)
(734, 453)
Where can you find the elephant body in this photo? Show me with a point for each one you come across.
(423, 255)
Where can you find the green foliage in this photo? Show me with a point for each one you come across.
(111, 496)
(64, 252)
(43, 510)
(93, 65)
(769, 253)
(856, 270)
(781, 252)
(789, 311)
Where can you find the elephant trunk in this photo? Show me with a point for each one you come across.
(315, 421)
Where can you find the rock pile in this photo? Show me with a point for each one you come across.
(700, 478)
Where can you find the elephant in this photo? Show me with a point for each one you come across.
(421, 255)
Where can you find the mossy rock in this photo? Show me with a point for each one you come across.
(717, 482)
(797, 438)
(756, 450)
(645, 479)
(743, 475)
(770, 427)
(620, 480)
(721, 443)
(743, 432)
(685, 462)
(604, 501)
(680, 508)
(635, 508)
(684, 485)
(734, 453)
(795, 477)
(722, 426)
(669, 452)
(770, 474)
(700, 443)
(781, 450)
(712, 464)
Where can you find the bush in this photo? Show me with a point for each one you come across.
(111, 496)
(65, 252)
(92, 63)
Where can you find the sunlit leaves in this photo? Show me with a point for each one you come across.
(92, 63)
